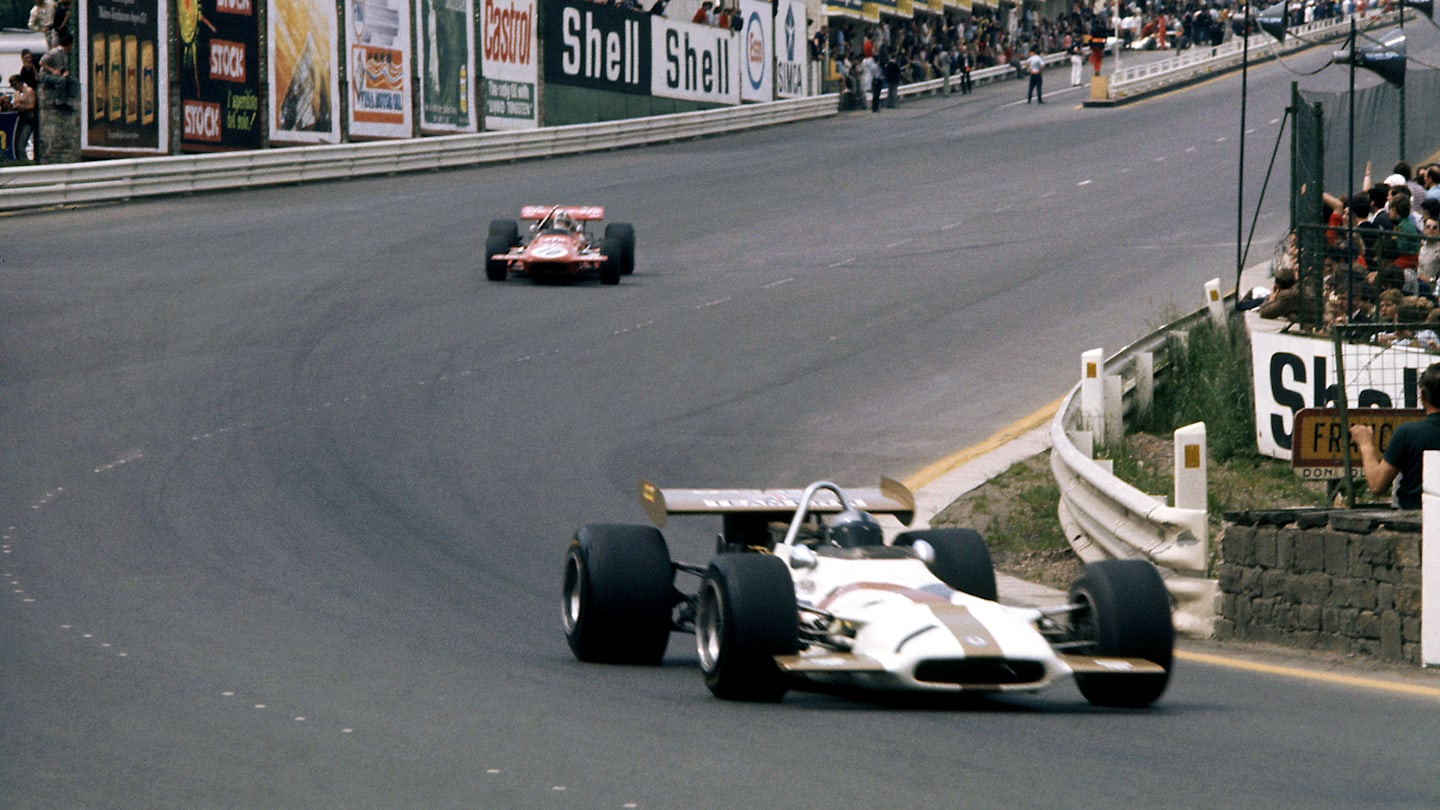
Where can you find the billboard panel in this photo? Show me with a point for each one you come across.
(598, 47)
(218, 74)
(302, 36)
(693, 62)
(757, 79)
(508, 60)
(124, 83)
(445, 50)
(791, 50)
(377, 41)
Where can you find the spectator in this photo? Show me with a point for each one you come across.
(24, 104)
(892, 78)
(875, 78)
(1399, 469)
(1035, 66)
(1427, 258)
(55, 70)
(1406, 243)
(29, 69)
(704, 14)
(42, 20)
(658, 9)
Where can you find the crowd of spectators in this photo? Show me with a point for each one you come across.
(1375, 261)
(931, 46)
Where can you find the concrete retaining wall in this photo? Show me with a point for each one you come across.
(1346, 581)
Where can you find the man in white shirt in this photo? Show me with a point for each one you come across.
(1034, 65)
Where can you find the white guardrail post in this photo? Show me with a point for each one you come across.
(1106, 518)
(1430, 561)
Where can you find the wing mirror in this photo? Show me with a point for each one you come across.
(924, 551)
(803, 557)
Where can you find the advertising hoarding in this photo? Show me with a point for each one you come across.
(755, 46)
(124, 84)
(444, 51)
(301, 43)
(598, 47)
(377, 42)
(218, 74)
(792, 51)
(508, 61)
(693, 62)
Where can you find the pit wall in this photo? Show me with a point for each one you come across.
(1337, 580)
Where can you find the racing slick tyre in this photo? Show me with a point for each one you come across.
(507, 227)
(1124, 612)
(625, 232)
(496, 269)
(745, 615)
(610, 269)
(962, 560)
(618, 591)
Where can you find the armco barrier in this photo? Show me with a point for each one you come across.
(27, 187)
(1106, 518)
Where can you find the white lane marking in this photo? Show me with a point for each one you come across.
(715, 303)
(841, 263)
(896, 244)
(1084, 182)
(774, 284)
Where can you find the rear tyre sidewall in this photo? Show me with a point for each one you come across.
(618, 591)
(745, 616)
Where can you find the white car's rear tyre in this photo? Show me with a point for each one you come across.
(1124, 612)
(745, 615)
(618, 593)
(962, 560)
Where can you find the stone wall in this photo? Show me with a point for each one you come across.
(58, 139)
(1323, 579)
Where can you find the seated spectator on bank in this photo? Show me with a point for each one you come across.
(1283, 300)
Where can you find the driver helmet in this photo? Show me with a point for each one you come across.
(853, 529)
(563, 220)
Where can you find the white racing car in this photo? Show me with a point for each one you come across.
(832, 606)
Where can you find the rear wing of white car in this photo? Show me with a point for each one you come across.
(890, 498)
(576, 212)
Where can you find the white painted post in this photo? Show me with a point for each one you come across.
(1092, 391)
(1114, 410)
(1144, 382)
(1214, 300)
(1430, 560)
(1191, 484)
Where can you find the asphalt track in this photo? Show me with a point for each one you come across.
(286, 483)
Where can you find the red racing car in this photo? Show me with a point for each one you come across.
(558, 245)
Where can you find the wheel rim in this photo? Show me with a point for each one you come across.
(573, 603)
(709, 626)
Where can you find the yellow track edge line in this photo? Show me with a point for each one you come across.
(1377, 684)
(1007, 434)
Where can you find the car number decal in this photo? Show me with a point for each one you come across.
(548, 252)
